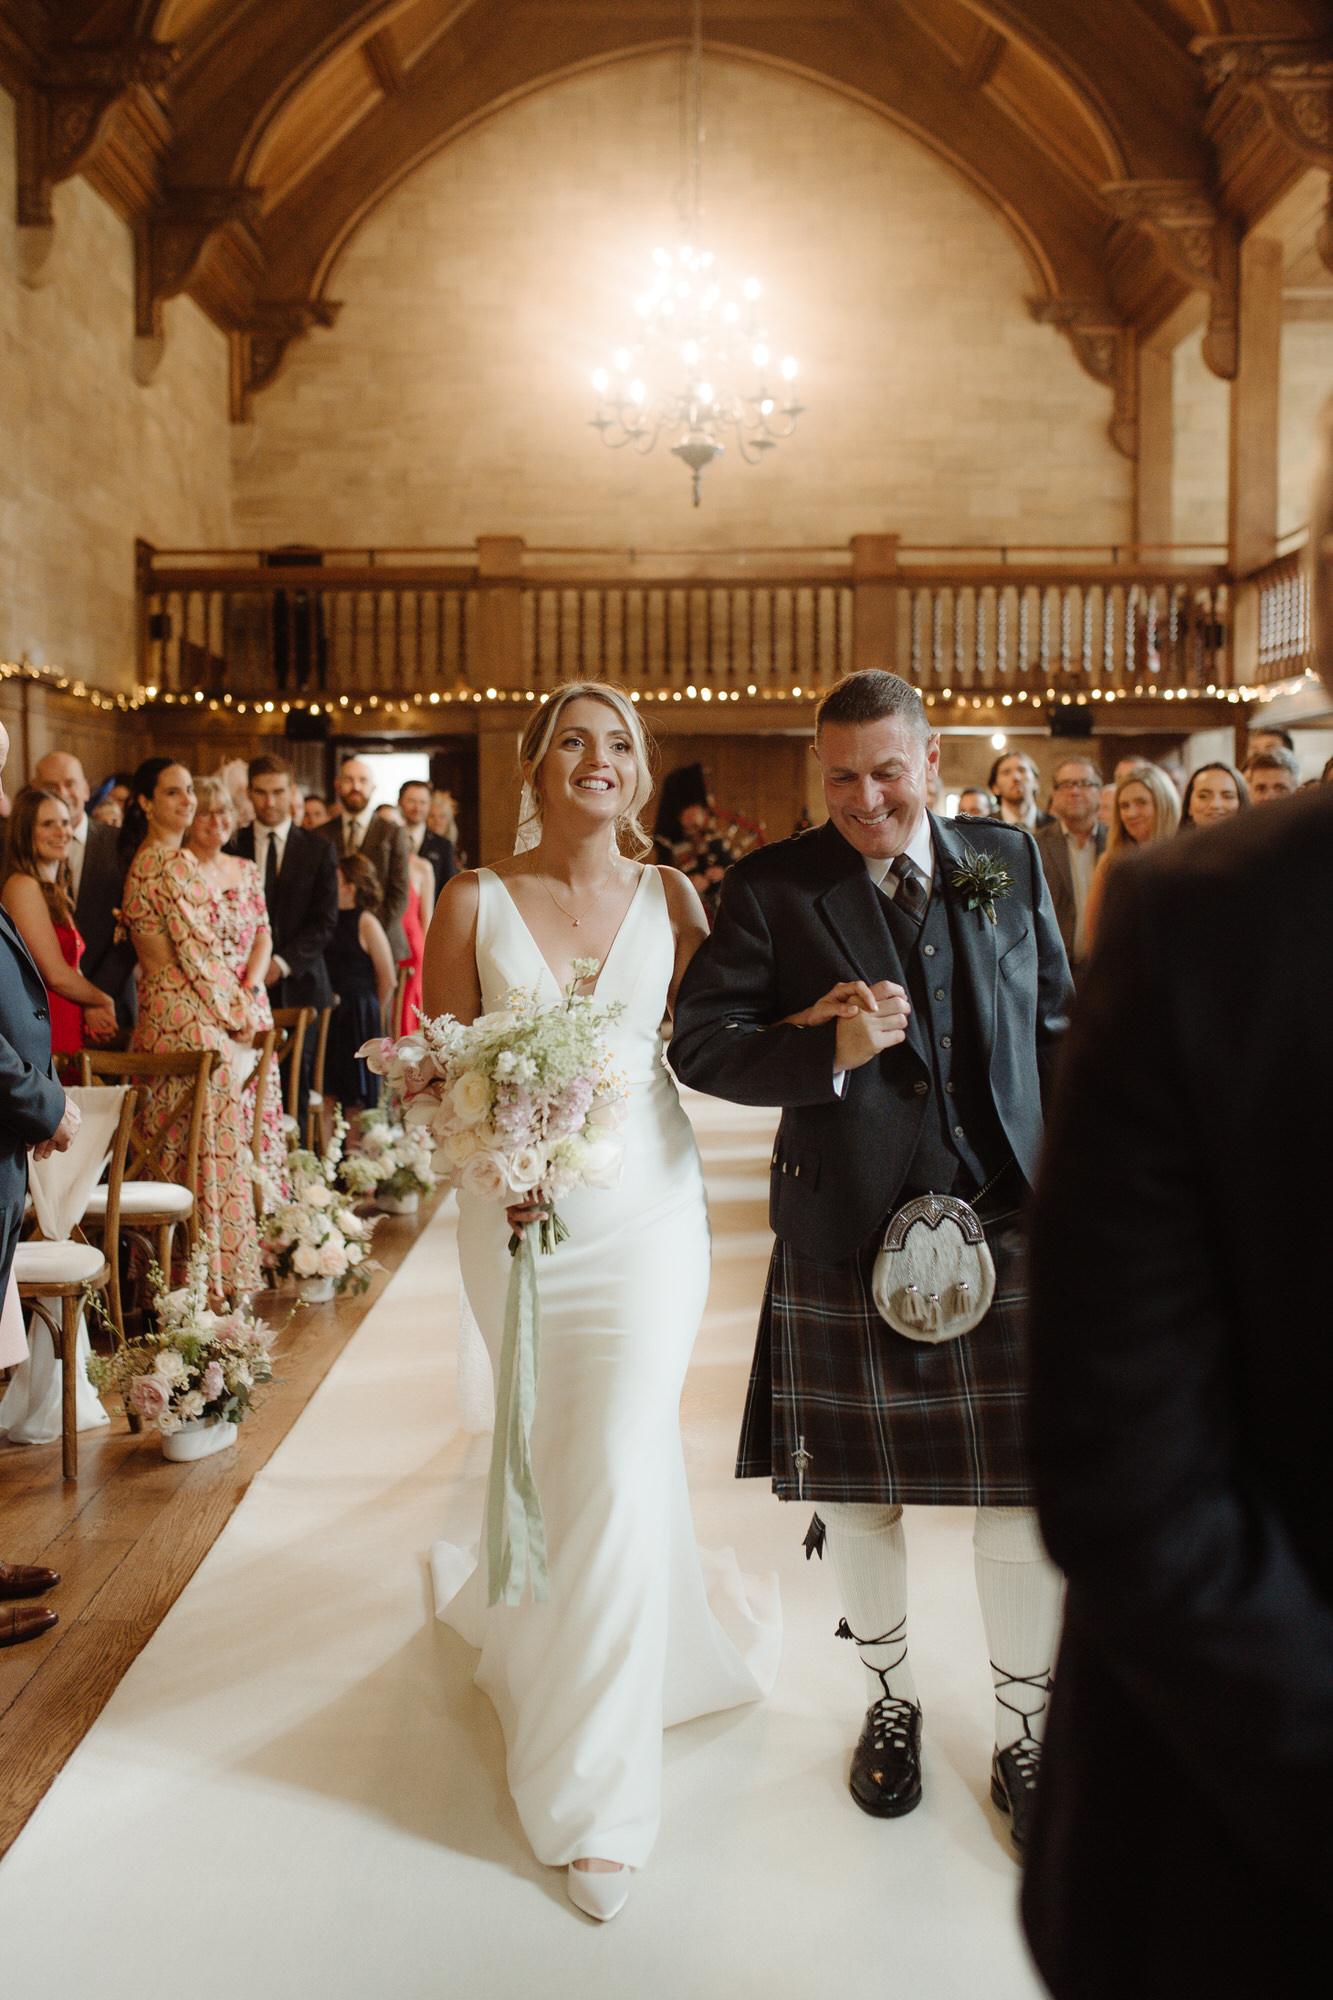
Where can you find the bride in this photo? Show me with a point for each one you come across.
(629, 1641)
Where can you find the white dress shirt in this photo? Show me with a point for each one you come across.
(1082, 868)
(78, 852)
(278, 835)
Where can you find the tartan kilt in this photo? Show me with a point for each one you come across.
(881, 1418)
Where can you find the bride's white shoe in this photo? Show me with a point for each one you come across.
(598, 1893)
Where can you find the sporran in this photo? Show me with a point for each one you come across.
(934, 1277)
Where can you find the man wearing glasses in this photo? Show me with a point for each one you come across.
(1070, 848)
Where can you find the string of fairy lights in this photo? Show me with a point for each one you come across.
(417, 705)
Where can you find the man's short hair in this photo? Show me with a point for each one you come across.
(1083, 764)
(1003, 758)
(413, 784)
(1276, 759)
(872, 696)
(266, 765)
(1283, 736)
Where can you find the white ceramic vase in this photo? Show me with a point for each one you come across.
(399, 1204)
(198, 1437)
(316, 1291)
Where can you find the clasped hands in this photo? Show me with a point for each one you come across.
(60, 1139)
(870, 1019)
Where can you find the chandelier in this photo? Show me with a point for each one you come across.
(698, 368)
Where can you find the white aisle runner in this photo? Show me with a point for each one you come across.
(297, 1794)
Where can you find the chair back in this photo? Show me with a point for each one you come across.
(293, 1025)
(265, 1047)
(115, 1176)
(311, 1133)
(186, 1072)
(62, 1183)
(391, 1014)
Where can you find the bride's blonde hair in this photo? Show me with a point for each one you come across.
(539, 736)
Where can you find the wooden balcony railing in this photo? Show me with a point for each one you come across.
(339, 625)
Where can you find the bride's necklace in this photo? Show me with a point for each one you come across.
(597, 896)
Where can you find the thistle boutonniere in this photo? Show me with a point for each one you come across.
(984, 880)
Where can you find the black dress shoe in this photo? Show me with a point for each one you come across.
(26, 1621)
(1013, 1786)
(886, 1764)
(25, 1580)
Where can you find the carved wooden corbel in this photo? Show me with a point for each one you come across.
(63, 118)
(259, 349)
(1292, 84)
(1195, 242)
(170, 244)
(1105, 350)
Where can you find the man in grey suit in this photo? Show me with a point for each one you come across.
(34, 1112)
(98, 880)
(895, 981)
(356, 829)
(1070, 848)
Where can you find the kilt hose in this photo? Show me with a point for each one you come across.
(841, 1407)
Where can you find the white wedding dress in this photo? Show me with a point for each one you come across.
(632, 1639)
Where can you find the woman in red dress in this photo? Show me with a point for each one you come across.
(36, 890)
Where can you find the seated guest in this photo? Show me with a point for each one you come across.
(35, 889)
(314, 812)
(414, 803)
(1147, 809)
(191, 998)
(1070, 850)
(1272, 774)
(361, 967)
(975, 802)
(1214, 793)
(96, 875)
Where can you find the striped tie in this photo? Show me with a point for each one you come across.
(911, 894)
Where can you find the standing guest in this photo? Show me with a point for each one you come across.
(113, 791)
(36, 891)
(300, 878)
(1014, 779)
(1272, 774)
(314, 813)
(34, 1112)
(1269, 739)
(443, 819)
(244, 942)
(974, 802)
(1214, 793)
(190, 998)
(909, 1040)
(298, 799)
(356, 829)
(361, 966)
(1070, 849)
(414, 800)
(1182, 1379)
(97, 876)
(1147, 809)
(1106, 805)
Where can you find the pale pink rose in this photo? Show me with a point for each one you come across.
(332, 1261)
(484, 1176)
(525, 1168)
(460, 1146)
(305, 1261)
(149, 1396)
(213, 1383)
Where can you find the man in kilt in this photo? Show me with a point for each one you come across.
(896, 982)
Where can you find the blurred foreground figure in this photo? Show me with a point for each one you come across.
(1182, 1382)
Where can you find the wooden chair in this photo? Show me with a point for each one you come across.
(70, 1271)
(312, 1134)
(151, 1203)
(266, 1049)
(392, 1012)
(293, 1025)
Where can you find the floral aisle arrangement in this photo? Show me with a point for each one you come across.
(196, 1367)
(392, 1161)
(523, 1105)
(310, 1230)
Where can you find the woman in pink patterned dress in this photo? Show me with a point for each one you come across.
(244, 940)
(190, 998)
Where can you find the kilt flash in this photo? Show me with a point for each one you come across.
(840, 1407)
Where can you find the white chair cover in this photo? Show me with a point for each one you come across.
(13, 1339)
(60, 1187)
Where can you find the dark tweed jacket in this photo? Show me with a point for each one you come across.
(798, 917)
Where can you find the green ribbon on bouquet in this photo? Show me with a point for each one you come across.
(515, 1529)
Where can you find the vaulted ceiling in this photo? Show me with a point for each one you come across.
(1126, 143)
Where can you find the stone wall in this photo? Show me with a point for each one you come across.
(1307, 384)
(453, 396)
(89, 459)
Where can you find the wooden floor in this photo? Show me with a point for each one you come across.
(129, 1534)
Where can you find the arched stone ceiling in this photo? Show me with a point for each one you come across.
(1125, 145)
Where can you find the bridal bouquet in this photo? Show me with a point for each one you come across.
(522, 1106)
(195, 1364)
(311, 1231)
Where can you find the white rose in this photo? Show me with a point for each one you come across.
(193, 1404)
(168, 1422)
(470, 1097)
(319, 1197)
(460, 1146)
(345, 1219)
(484, 1176)
(170, 1365)
(305, 1260)
(526, 1168)
(601, 1168)
(332, 1261)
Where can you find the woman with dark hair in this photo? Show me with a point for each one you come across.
(1214, 793)
(36, 890)
(191, 998)
(361, 968)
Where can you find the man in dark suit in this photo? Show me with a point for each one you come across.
(300, 877)
(414, 805)
(34, 1112)
(907, 1038)
(98, 881)
(1182, 1383)
(1070, 848)
(356, 829)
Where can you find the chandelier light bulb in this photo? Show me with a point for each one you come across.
(789, 368)
(690, 352)
(600, 381)
(622, 360)
(766, 407)
(731, 313)
(761, 356)
(752, 288)
(705, 392)
(637, 392)
(643, 305)
(661, 258)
